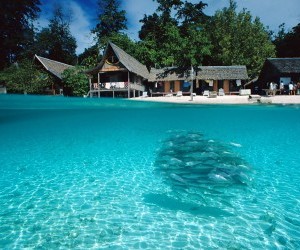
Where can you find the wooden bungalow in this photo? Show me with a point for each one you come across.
(56, 69)
(278, 70)
(213, 78)
(229, 78)
(118, 74)
(168, 80)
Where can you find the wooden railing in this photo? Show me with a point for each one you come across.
(117, 85)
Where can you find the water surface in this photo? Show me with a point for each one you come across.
(103, 173)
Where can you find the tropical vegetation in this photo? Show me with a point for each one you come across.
(178, 33)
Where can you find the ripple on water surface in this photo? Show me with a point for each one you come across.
(114, 174)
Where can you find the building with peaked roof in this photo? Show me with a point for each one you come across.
(278, 70)
(56, 69)
(229, 78)
(121, 74)
(118, 73)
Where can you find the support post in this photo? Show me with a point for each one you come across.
(192, 82)
(99, 86)
(90, 82)
(128, 79)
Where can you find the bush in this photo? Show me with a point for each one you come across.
(25, 77)
(76, 80)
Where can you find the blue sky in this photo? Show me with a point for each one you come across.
(84, 14)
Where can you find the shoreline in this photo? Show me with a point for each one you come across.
(229, 99)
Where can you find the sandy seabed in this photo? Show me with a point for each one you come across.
(228, 99)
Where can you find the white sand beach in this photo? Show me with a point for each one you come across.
(227, 99)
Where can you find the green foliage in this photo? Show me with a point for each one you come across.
(174, 41)
(25, 77)
(90, 57)
(16, 23)
(111, 21)
(125, 42)
(192, 13)
(287, 44)
(76, 80)
(56, 42)
(237, 39)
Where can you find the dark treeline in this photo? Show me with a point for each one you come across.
(178, 33)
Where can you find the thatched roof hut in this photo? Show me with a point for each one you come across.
(203, 73)
(222, 73)
(126, 60)
(277, 69)
(54, 67)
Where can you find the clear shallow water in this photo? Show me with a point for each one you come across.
(90, 173)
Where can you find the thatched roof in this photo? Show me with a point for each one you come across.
(275, 68)
(203, 73)
(222, 73)
(54, 67)
(285, 65)
(129, 62)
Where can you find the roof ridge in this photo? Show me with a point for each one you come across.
(131, 63)
(223, 66)
(282, 58)
(111, 43)
(54, 60)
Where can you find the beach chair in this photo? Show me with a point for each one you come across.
(212, 94)
(145, 94)
(206, 93)
(221, 92)
(179, 94)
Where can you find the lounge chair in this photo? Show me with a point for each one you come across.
(212, 94)
(179, 94)
(206, 93)
(254, 98)
(221, 92)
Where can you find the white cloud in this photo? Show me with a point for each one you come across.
(80, 24)
(135, 11)
(80, 27)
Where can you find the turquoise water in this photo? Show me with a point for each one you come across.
(119, 174)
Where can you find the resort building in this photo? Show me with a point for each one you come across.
(55, 69)
(119, 74)
(212, 78)
(279, 70)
